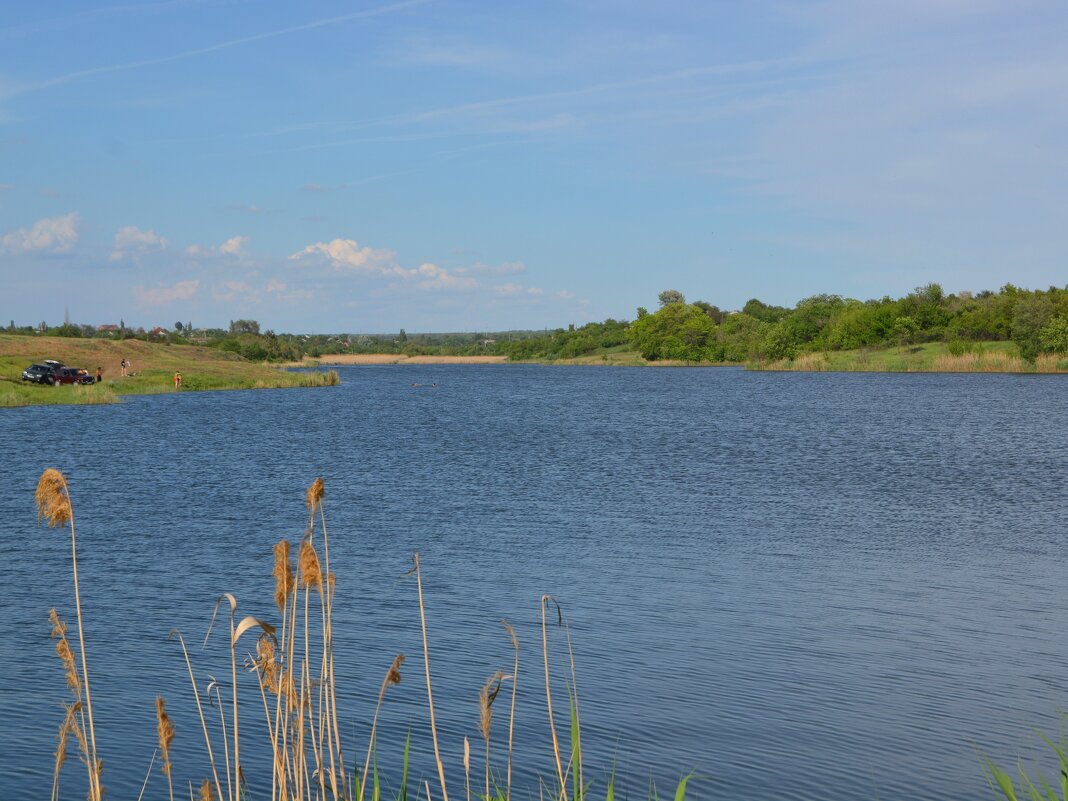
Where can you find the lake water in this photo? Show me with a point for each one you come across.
(810, 586)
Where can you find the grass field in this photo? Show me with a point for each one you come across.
(932, 357)
(154, 366)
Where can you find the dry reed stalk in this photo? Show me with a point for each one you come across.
(270, 728)
(283, 574)
(331, 685)
(67, 727)
(206, 793)
(226, 743)
(292, 698)
(233, 694)
(810, 361)
(548, 693)
(511, 714)
(285, 583)
(429, 692)
(148, 775)
(165, 733)
(486, 696)
(393, 676)
(1049, 363)
(982, 362)
(467, 766)
(200, 710)
(316, 743)
(54, 506)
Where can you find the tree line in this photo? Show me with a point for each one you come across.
(1035, 320)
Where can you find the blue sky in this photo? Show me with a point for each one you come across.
(442, 165)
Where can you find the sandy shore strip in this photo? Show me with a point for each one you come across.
(394, 358)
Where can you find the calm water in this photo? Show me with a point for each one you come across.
(804, 586)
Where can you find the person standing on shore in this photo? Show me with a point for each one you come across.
(177, 380)
(122, 367)
(99, 375)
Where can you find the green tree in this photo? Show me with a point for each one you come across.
(1053, 338)
(905, 329)
(1030, 315)
(677, 331)
(671, 296)
(244, 327)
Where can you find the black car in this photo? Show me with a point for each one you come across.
(41, 372)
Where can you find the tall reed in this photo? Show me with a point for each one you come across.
(293, 665)
(54, 506)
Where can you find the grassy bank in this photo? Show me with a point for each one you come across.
(932, 357)
(154, 366)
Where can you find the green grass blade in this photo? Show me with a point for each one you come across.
(680, 791)
(404, 774)
(1004, 783)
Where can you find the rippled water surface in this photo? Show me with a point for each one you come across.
(798, 585)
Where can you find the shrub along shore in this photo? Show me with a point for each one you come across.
(152, 366)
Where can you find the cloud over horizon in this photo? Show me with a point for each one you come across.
(162, 295)
(48, 235)
(131, 243)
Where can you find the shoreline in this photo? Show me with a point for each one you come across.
(154, 365)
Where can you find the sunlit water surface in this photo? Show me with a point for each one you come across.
(797, 585)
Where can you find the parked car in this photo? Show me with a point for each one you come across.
(70, 375)
(40, 372)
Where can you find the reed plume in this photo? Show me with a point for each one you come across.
(54, 506)
(314, 494)
(165, 733)
(283, 574)
(266, 663)
(67, 727)
(52, 498)
(311, 572)
(207, 793)
(65, 654)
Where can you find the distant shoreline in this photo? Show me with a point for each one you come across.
(393, 358)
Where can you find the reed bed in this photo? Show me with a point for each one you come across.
(288, 667)
(983, 361)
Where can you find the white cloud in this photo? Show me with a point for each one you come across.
(234, 246)
(6, 187)
(276, 286)
(512, 289)
(50, 235)
(432, 277)
(131, 242)
(162, 295)
(346, 256)
(563, 294)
